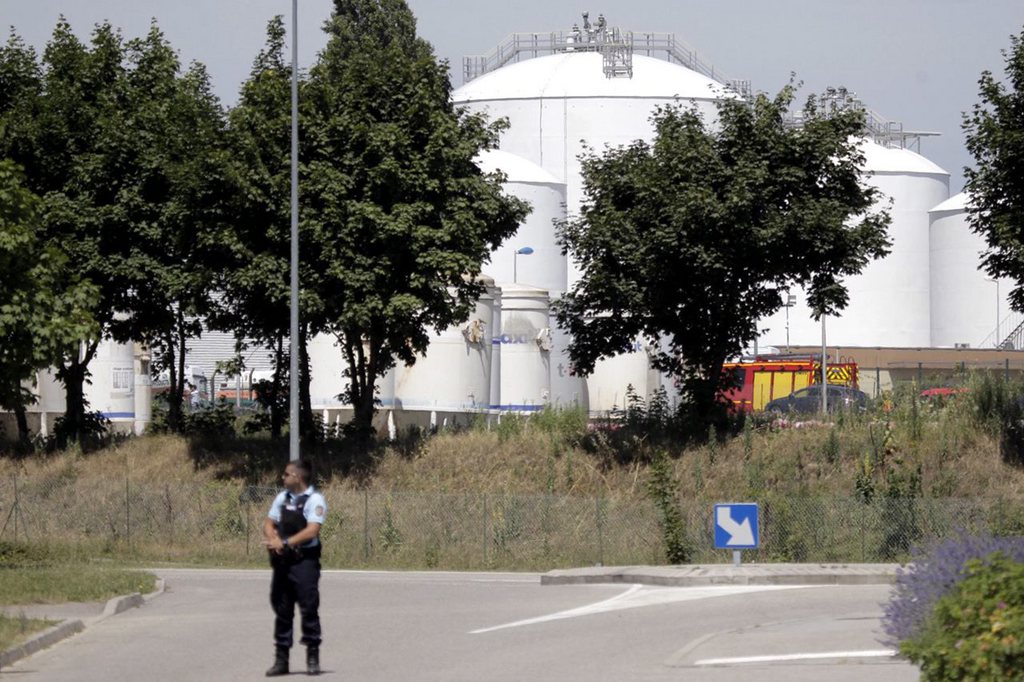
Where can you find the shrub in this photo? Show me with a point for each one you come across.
(663, 488)
(933, 572)
(976, 632)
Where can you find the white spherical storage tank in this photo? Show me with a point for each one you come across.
(532, 256)
(112, 391)
(559, 105)
(889, 301)
(966, 303)
(455, 373)
(525, 349)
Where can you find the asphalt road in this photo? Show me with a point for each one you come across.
(217, 625)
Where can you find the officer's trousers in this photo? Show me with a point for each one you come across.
(296, 580)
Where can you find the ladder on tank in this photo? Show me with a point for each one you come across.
(617, 54)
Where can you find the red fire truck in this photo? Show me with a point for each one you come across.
(765, 378)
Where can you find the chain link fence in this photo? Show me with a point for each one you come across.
(222, 522)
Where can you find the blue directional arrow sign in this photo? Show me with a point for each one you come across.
(736, 526)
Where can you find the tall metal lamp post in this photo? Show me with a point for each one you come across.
(293, 341)
(824, 370)
(790, 302)
(523, 251)
(995, 281)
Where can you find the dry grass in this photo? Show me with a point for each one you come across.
(955, 458)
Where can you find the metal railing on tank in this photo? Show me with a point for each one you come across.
(617, 46)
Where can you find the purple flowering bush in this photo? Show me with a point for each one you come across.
(934, 572)
(976, 631)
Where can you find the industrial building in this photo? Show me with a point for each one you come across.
(591, 87)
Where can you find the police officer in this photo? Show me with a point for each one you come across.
(291, 534)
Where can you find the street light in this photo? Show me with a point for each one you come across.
(824, 370)
(293, 342)
(790, 302)
(995, 280)
(523, 251)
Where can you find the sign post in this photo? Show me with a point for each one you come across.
(736, 528)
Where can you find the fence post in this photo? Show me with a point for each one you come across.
(485, 529)
(600, 531)
(862, 532)
(248, 511)
(366, 524)
(127, 508)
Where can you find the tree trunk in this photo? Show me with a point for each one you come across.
(173, 377)
(307, 427)
(276, 412)
(24, 437)
(73, 375)
(361, 384)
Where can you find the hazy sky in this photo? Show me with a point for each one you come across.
(915, 61)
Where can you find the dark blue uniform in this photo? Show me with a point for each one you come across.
(296, 578)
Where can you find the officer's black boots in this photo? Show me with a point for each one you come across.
(280, 666)
(313, 660)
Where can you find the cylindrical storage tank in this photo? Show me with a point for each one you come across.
(567, 391)
(959, 289)
(326, 363)
(143, 389)
(525, 348)
(532, 256)
(112, 391)
(455, 373)
(560, 104)
(612, 377)
(326, 385)
(889, 301)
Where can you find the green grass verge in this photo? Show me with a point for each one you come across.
(16, 629)
(69, 583)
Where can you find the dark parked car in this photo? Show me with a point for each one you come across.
(808, 400)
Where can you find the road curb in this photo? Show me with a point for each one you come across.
(44, 639)
(693, 576)
(61, 631)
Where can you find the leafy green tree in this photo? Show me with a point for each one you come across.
(41, 312)
(995, 137)
(397, 218)
(55, 124)
(694, 237)
(256, 283)
(177, 185)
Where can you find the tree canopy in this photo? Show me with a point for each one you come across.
(42, 311)
(397, 218)
(687, 241)
(995, 137)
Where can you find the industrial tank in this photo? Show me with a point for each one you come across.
(526, 343)
(966, 303)
(889, 301)
(112, 388)
(326, 364)
(532, 256)
(609, 384)
(561, 104)
(455, 372)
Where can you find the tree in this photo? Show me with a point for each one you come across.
(397, 218)
(54, 124)
(693, 238)
(995, 137)
(41, 312)
(176, 188)
(256, 281)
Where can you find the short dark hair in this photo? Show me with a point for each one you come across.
(305, 470)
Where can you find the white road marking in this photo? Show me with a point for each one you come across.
(641, 595)
(876, 653)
